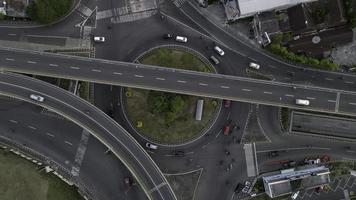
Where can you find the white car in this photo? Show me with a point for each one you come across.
(302, 102)
(295, 195)
(215, 60)
(181, 39)
(151, 146)
(219, 51)
(99, 39)
(37, 97)
(254, 65)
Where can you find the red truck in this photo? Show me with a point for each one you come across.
(226, 129)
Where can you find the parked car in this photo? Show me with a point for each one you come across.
(227, 103)
(99, 39)
(151, 146)
(246, 189)
(167, 36)
(254, 65)
(219, 51)
(215, 60)
(238, 188)
(181, 39)
(37, 97)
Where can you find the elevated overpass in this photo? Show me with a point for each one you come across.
(178, 81)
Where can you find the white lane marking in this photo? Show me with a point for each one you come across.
(333, 101)
(12, 34)
(225, 87)
(49, 134)
(68, 143)
(31, 127)
(267, 92)
(74, 67)
(203, 84)
(274, 67)
(289, 95)
(53, 65)
(349, 82)
(252, 59)
(96, 70)
(329, 79)
(13, 121)
(352, 103)
(117, 73)
(10, 59)
(31, 62)
(161, 79)
(139, 76)
(179, 81)
(246, 90)
(310, 98)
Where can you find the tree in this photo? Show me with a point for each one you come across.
(2, 16)
(47, 11)
(169, 118)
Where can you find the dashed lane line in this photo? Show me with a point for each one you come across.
(139, 76)
(179, 81)
(267, 92)
(96, 70)
(10, 59)
(332, 101)
(310, 98)
(53, 65)
(352, 103)
(349, 82)
(117, 73)
(246, 90)
(225, 87)
(329, 79)
(289, 95)
(203, 84)
(31, 62)
(70, 144)
(13, 121)
(50, 135)
(74, 67)
(161, 79)
(31, 127)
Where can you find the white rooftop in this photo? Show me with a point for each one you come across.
(250, 7)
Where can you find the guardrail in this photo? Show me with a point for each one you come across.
(84, 188)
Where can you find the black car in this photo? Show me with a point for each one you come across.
(167, 36)
(179, 153)
(238, 188)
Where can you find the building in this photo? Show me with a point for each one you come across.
(236, 9)
(291, 180)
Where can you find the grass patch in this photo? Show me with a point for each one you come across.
(21, 180)
(340, 168)
(166, 117)
(184, 185)
(47, 11)
(84, 90)
(285, 114)
(258, 187)
(64, 83)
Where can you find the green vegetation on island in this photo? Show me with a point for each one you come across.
(47, 11)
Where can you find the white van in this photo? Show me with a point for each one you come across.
(254, 65)
(181, 39)
(37, 97)
(99, 39)
(219, 51)
(151, 146)
(302, 102)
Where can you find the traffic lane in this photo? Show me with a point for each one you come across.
(142, 76)
(142, 165)
(347, 103)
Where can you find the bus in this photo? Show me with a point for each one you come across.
(199, 110)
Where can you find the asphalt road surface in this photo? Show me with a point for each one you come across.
(98, 124)
(178, 81)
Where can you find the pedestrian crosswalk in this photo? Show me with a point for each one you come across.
(84, 11)
(132, 17)
(178, 3)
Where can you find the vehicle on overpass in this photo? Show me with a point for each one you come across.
(37, 97)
